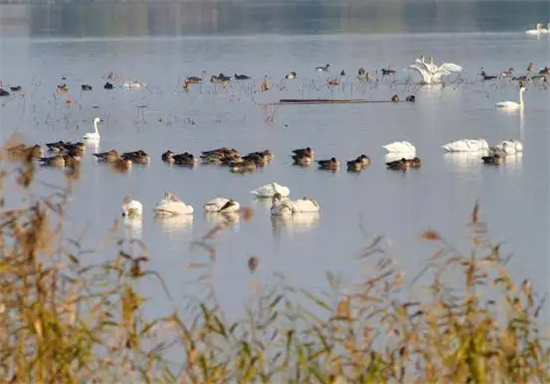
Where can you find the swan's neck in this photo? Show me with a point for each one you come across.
(520, 97)
(95, 127)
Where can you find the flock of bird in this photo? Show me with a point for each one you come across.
(539, 30)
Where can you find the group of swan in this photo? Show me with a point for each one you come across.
(539, 30)
(171, 205)
(505, 147)
(431, 73)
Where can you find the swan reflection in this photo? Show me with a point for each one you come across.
(132, 227)
(228, 218)
(296, 223)
(174, 223)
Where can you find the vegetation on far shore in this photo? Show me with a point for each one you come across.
(64, 321)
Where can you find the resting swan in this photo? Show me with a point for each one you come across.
(467, 145)
(282, 206)
(221, 204)
(131, 209)
(431, 73)
(512, 105)
(171, 205)
(93, 135)
(507, 147)
(399, 147)
(271, 189)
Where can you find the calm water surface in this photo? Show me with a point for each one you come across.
(161, 43)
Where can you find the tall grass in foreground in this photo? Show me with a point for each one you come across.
(63, 321)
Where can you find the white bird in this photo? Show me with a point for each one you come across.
(171, 205)
(467, 145)
(546, 30)
(133, 84)
(282, 206)
(508, 147)
(270, 189)
(399, 147)
(221, 204)
(431, 73)
(538, 30)
(131, 209)
(93, 135)
(512, 105)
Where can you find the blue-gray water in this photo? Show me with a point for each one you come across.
(160, 43)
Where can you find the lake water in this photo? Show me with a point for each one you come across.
(160, 43)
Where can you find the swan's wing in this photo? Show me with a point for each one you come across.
(422, 65)
(426, 76)
(450, 67)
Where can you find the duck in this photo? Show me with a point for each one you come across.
(410, 98)
(221, 204)
(508, 73)
(361, 72)
(512, 105)
(259, 158)
(265, 85)
(304, 151)
(395, 99)
(241, 77)
(121, 165)
(137, 157)
(322, 69)
(414, 162)
(171, 205)
(388, 71)
(342, 73)
(531, 67)
(269, 190)
(243, 166)
(485, 76)
(282, 206)
(333, 82)
(62, 88)
(71, 160)
(4, 93)
(131, 209)
(466, 145)
(86, 87)
(93, 136)
(399, 147)
(185, 159)
(168, 157)
(398, 165)
(331, 164)
(108, 85)
(365, 160)
(494, 159)
(53, 161)
(355, 165)
(303, 159)
(224, 151)
(22, 151)
(62, 146)
(194, 79)
(16, 88)
(290, 76)
(107, 157)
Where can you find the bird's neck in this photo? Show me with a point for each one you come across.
(95, 127)
(520, 98)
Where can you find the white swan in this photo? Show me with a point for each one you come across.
(282, 206)
(270, 189)
(467, 145)
(132, 209)
(221, 204)
(171, 205)
(431, 73)
(512, 105)
(133, 84)
(93, 135)
(399, 147)
(539, 30)
(508, 147)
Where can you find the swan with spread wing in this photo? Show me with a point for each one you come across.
(431, 73)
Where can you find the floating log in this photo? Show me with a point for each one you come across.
(333, 101)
